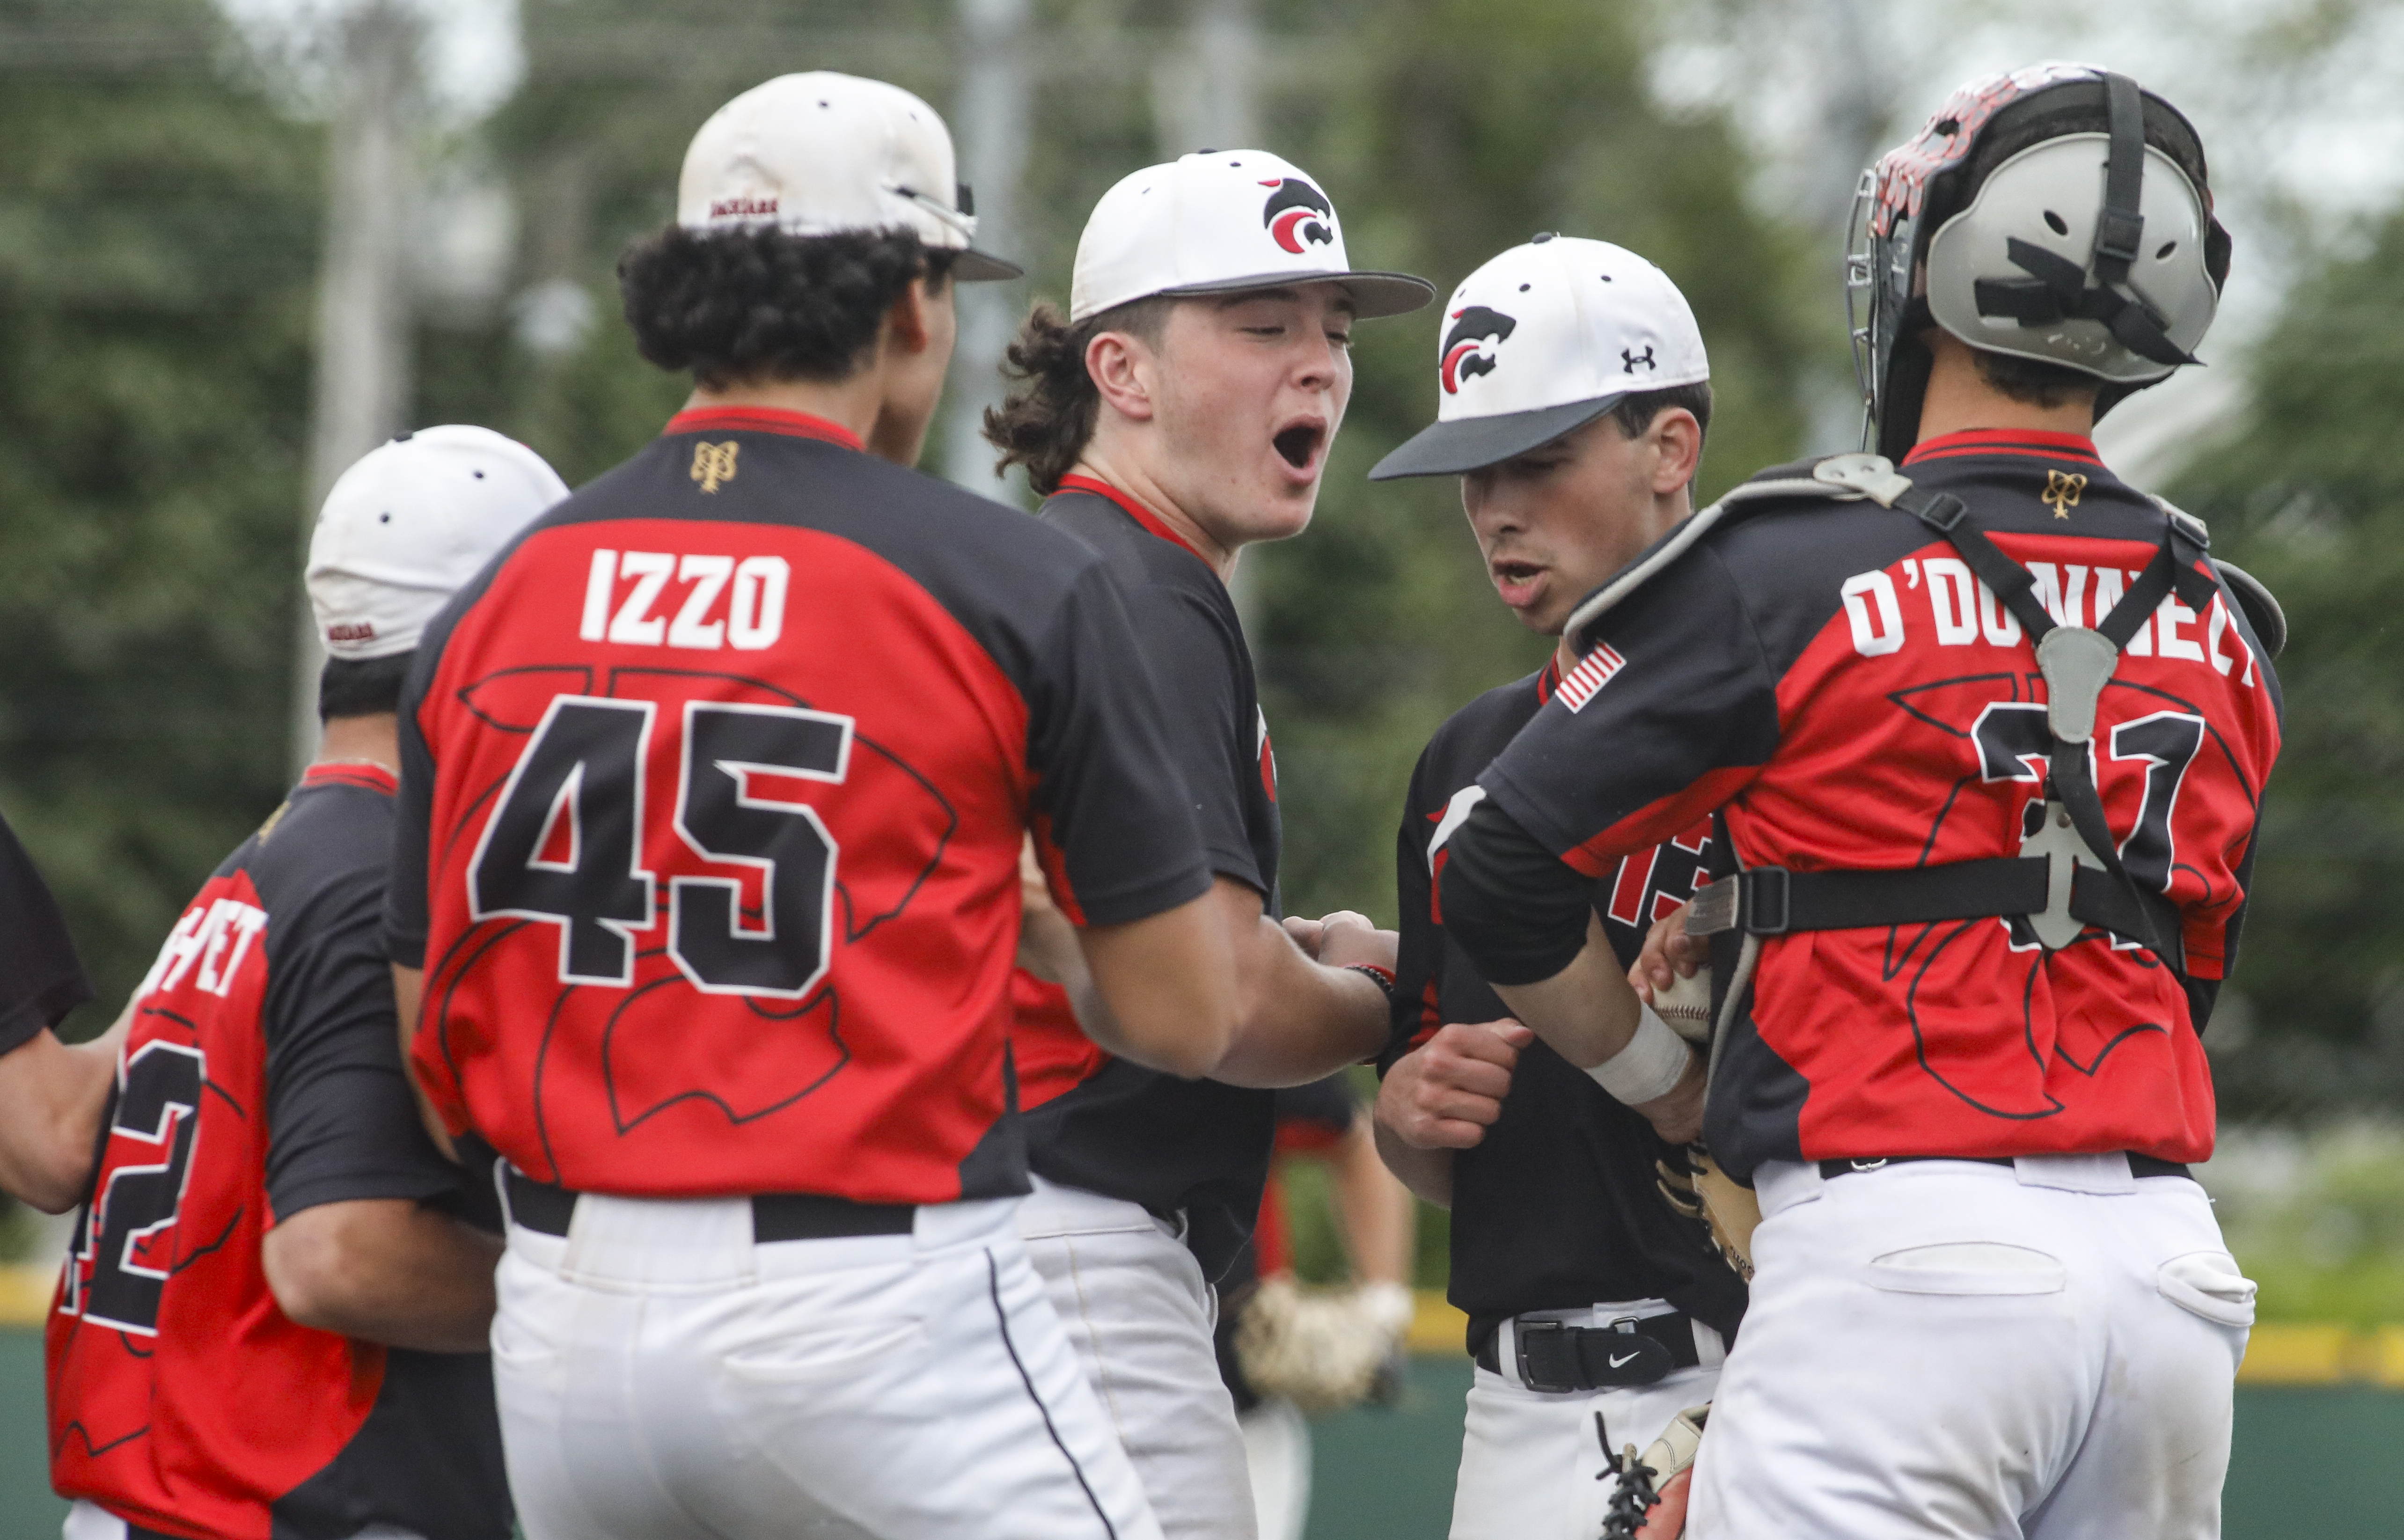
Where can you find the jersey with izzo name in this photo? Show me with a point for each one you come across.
(714, 789)
(1835, 677)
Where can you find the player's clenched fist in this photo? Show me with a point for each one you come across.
(1444, 1094)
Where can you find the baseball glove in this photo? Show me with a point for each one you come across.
(1323, 1350)
(1650, 1502)
(1694, 1187)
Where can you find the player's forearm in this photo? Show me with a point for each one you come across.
(388, 1270)
(1588, 1012)
(1426, 1172)
(53, 1095)
(1302, 1020)
(1159, 991)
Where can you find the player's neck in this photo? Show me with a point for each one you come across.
(1126, 475)
(374, 738)
(853, 401)
(1958, 400)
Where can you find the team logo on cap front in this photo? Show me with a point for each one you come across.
(1469, 346)
(1297, 212)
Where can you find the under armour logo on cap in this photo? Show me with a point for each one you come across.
(1628, 359)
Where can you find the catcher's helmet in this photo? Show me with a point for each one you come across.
(2056, 213)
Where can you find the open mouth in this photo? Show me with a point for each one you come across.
(1517, 581)
(1299, 445)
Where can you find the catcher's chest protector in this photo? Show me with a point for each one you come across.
(1995, 883)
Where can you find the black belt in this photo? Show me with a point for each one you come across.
(2139, 1164)
(1771, 900)
(1559, 1358)
(546, 1208)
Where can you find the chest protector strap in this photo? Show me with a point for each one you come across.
(2069, 875)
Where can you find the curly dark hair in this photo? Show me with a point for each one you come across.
(1047, 418)
(744, 305)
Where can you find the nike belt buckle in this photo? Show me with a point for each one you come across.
(1624, 1356)
(1561, 1360)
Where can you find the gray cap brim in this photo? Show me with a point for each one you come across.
(971, 266)
(1373, 294)
(1473, 443)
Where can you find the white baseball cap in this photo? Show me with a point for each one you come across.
(409, 524)
(1544, 338)
(821, 154)
(1217, 221)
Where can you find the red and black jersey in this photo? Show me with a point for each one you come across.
(1555, 1208)
(1102, 1124)
(262, 1077)
(714, 788)
(1836, 679)
(40, 979)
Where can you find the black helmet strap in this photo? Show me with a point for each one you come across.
(2057, 288)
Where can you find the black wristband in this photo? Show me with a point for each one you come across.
(1383, 978)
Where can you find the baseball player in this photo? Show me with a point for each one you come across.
(50, 1092)
(1181, 410)
(1573, 398)
(273, 1315)
(1984, 732)
(715, 788)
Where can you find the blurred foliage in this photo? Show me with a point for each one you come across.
(158, 248)
(2308, 494)
(2317, 1219)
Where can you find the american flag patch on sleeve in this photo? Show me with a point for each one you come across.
(1580, 683)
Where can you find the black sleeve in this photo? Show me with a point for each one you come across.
(1112, 820)
(1670, 712)
(1198, 662)
(41, 978)
(404, 898)
(1419, 959)
(341, 1123)
(1516, 908)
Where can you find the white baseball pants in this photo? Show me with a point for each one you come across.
(1277, 1448)
(1532, 1462)
(1954, 1349)
(1139, 1314)
(662, 1378)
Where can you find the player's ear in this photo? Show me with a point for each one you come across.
(1677, 441)
(906, 322)
(1119, 368)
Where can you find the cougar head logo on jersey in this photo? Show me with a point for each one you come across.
(1297, 212)
(1469, 346)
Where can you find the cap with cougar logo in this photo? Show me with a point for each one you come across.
(1546, 338)
(1217, 222)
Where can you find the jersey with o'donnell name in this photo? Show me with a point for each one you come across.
(262, 1077)
(1554, 1207)
(1835, 677)
(715, 785)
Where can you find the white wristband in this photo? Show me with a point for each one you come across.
(1650, 1067)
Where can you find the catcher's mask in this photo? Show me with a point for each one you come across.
(2057, 213)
